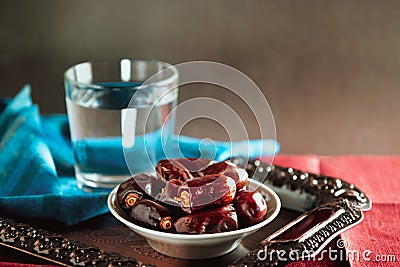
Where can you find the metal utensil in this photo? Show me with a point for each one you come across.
(332, 204)
(57, 249)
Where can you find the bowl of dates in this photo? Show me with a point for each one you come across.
(194, 208)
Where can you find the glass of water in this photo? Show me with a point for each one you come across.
(118, 110)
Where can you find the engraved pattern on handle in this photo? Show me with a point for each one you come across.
(344, 199)
(345, 215)
(57, 249)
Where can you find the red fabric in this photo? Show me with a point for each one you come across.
(379, 177)
(307, 163)
(376, 236)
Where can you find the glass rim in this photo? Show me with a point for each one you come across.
(162, 82)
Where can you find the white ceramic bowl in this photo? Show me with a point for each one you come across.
(187, 246)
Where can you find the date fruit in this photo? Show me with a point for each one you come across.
(172, 187)
(250, 207)
(150, 214)
(229, 169)
(195, 165)
(167, 197)
(206, 191)
(134, 189)
(239, 175)
(172, 169)
(222, 219)
(191, 196)
(217, 168)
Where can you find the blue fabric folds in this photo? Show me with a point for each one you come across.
(36, 163)
(29, 183)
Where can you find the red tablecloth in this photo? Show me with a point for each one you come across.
(376, 239)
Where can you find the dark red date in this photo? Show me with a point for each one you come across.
(195, 165)
(239, 175)
(216, 168)
(229, 169)
(222, 219)
(192, 196)
(171, 188)
(172, 169)
(250, 206)
(150, 214)
(167, 197)
(206, 191)
(134, 189)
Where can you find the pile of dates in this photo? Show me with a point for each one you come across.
(192, 196)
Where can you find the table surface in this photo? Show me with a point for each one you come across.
(109, 234)
(372, 234)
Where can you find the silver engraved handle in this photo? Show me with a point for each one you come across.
(331, 203)
(57, 249)
(293, 242)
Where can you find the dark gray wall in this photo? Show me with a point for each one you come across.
(330, 69)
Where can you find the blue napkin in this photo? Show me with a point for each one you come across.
(36, 163)
(29, 183)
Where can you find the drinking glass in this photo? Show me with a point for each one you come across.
(109, 98)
